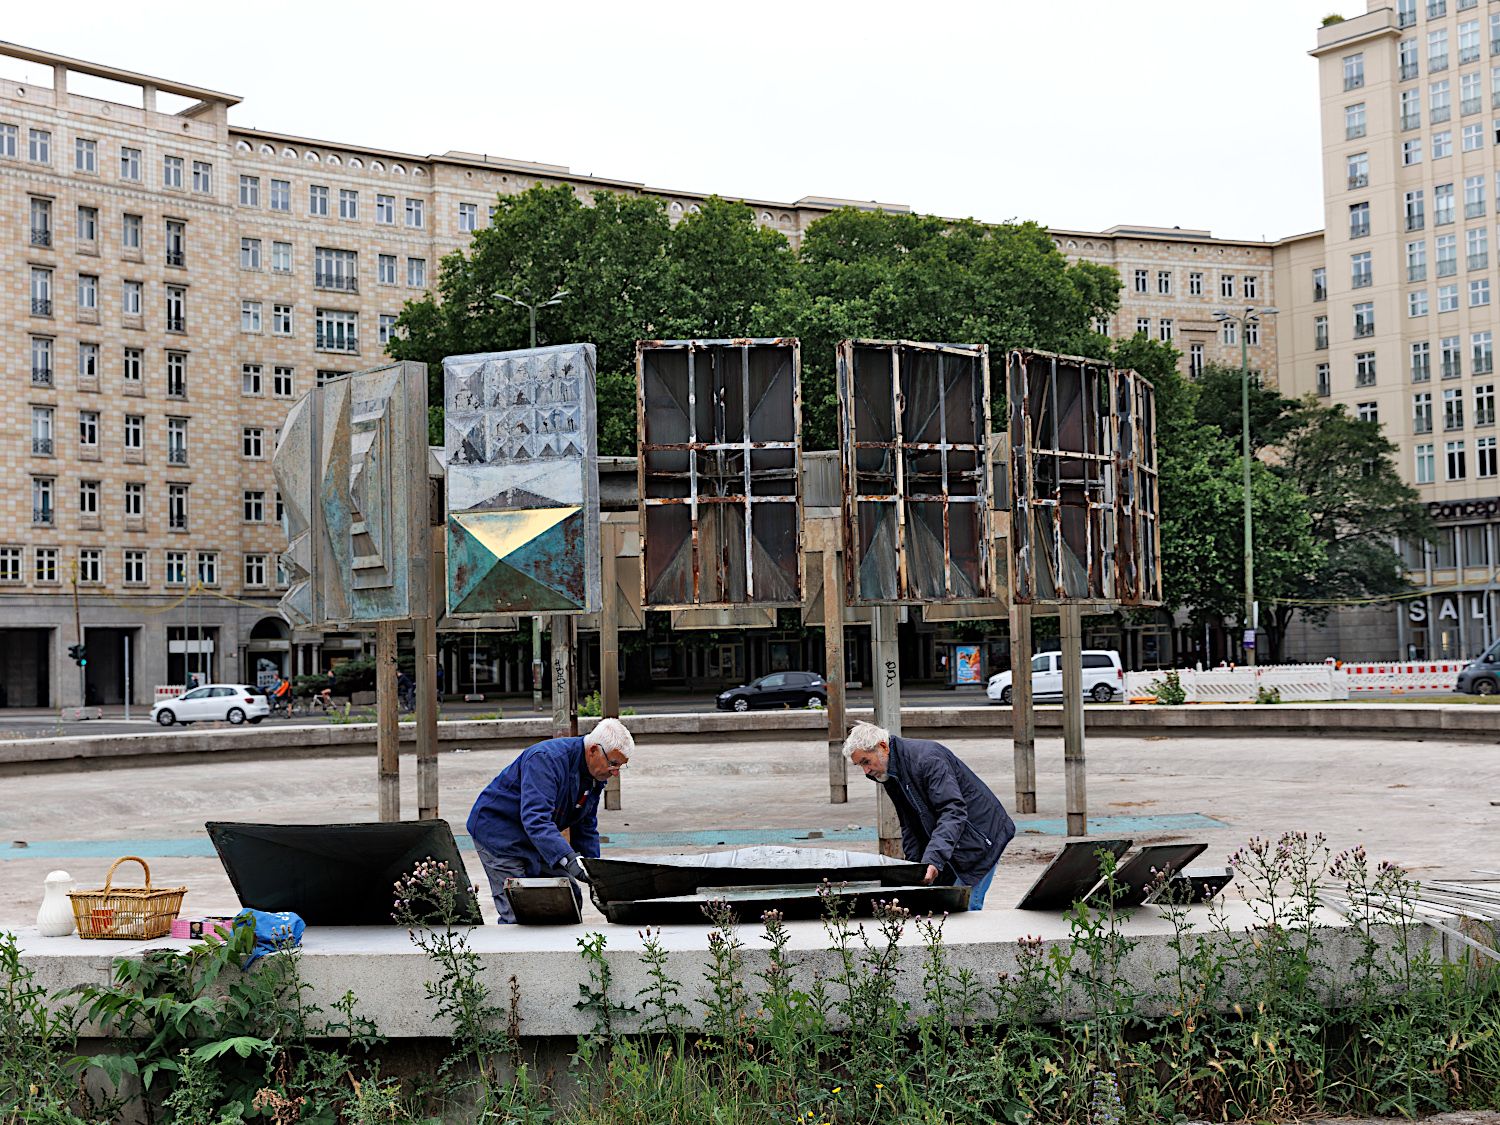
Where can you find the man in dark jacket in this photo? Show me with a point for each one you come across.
(518, 821)
(950, 820)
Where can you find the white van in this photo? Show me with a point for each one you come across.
(1103, 677)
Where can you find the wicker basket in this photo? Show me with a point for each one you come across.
(126, 912)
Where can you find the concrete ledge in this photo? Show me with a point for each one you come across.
(1474, 721)
(382, 967)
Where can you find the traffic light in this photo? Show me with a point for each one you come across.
(79, 655)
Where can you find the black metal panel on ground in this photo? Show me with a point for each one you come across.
(660, 876)
(1142, 873)
(543, 901)
(1195, 884)
(333, 874)
(794, 902)
(1071, 875)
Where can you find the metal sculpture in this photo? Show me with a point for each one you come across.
(522, 466)
(915, 435)
(351, 465)
(720, 473)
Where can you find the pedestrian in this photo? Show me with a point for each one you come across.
(950, 820)
(517, 823)
(406, 692)
(440, 679)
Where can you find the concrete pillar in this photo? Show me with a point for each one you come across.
(1022, 714)
(833, 659)
(387, 723)
(887, 675)
(1074, 775)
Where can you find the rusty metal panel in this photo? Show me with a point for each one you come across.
(351, 465)
(1085, 524)
(519, 445)
(914, 426)
(720, 473)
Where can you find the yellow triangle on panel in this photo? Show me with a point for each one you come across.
(500, 533)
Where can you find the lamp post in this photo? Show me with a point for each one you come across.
(1250, 316)
(524, 301)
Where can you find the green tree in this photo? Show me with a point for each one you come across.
(1272, 414)
(1357, 505)
(721, 265)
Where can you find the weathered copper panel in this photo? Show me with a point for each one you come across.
(1083, 458)
(351, 466)
(720, 427)
(914, 426)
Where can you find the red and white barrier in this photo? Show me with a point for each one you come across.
(1303, 682)
(169, 691)
(1399, 677)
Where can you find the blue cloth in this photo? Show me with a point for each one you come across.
(978, 890)
(276, 931)
(520, 816)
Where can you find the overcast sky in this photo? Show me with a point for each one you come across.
(1076, 113)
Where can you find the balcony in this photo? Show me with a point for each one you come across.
(1416, 273)
(176, 521)
(1411, 121)
(1354, 132)
(1447, 267)
(1409, 71)
(41, 306)
(1359, 230)
(42, 516)
(1467, 55)
(1474, 210)
(1324, 389)
(1483, 365)
(1353, 81)
(1363, 330)
(1436, 9)
(1422, 373)
(1495, 46)
(1362, 281)
(1479, 261)
(1359, 181)
(177, 455)
(1452, 369)
(1470, 105)
(1452, 424)
(41, 446)
(176, 324)
(1421, 425)
(344, 283)
(337, 342)
(176, 258)
(41, 236)
(41, 376)
(1440, 114)
(1320, 343)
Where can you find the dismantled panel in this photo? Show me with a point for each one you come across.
(794, 902)
(1144, 873)
(1194, 884)
(522, 466)
(720, 473)
(914, 427)
(659, 876)
(1085, 524)
(1072, 874)
(351, 467)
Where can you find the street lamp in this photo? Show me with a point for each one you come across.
(1245, 319)
(524, 301)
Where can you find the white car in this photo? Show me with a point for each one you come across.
(213, 703)
(1103, 677)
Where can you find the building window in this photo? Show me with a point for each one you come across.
(249, 191)
(41, 500)
(45, 560)
(1320, 284)
(250, 379)
(1364, 319)
(468, 217)
(1364, 369)
(203, 177)
(281, 195)
(1406, 55)
(281, 320)
(1447, 254)
(249, 316)
(1451, 356)
(208, 568)
(41, 221)
(1354, 121)
(171, 171)
(388, 328)
(41, 291)
(1231, 332)
(90, 566)
(1484, 457)
(1477, 248)
(1473, 197)
(1143, 326)
(336, 269)
(414, 214)
(416, 273)
(177, 375)
(1421, 361)
(1359, 220)
(1416, 210)
(255, 506)
(1470, 94)
(1251, 284)
(88, 226)
(177, 507)
(1482, 352)
(1468, 42)
(88, 292)
(9, 141)
(1411, 109)
(130, 164)
(1455, 463)
(1479, 292)
(1252, 333)
(1357, 166)
(282, 382)
(135, 431)
(1164, 282)
(317, 200)
(135, 499)
(1442, 204)
(1361, 273)
(337, 331)
(281, 257)
(1421, 413)
(348, 204)
(252, 443)
(1320, 332)
(249, 253)
(1453, 409)
(1484, 404)
(1324, 383)
(385, 209)
(1140, 280)
(132, 362)
(176, 243)
(1442, 144)
(131, 298)
(387, 269)
(1195, 360)
(1447, 298)
(1439, 101)
(1411, 151)
(1354, 71)
(88, 429)
(135, 568)
(177, 447)
(1437, 48)
(88, 361)
(280, 509)
(176, 568)
(1367, 412)
(10, 565)
(41, 431)
(1416, 303)
(1164, 329)
(39, 146)
(1423, 454)
(41, 361)
(1226, 285)
(130, 233)
(255, 570)
(88, 498)
(1195, 284)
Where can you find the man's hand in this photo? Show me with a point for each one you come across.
(931, 876)
(574, 868)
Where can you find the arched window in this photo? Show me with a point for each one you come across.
(267, 150)
(377, 166)
(333, 158)
(312, 158)
(242, 146)
(356, 162)
(289, 153)
(397, 170)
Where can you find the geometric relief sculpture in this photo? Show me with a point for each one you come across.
(720, 473)
(1085, 523)
(351, 466)
(522, 482)
(914, 429)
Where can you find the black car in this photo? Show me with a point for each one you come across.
(779, 689)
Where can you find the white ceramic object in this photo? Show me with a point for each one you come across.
(55, 918)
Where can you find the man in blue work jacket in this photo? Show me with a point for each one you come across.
(518, 821)
(950, 820)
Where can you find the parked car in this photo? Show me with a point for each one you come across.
(779, 689)
(1481, 676)
(213, 703)
(1103, 677)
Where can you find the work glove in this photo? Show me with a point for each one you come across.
(574, 867)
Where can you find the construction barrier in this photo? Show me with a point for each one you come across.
(169, 691)
(1302, 682)
(1401, 677)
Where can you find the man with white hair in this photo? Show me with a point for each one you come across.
(950, 820)
(517, 823)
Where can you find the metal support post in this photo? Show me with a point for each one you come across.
(1074, 776)
(427, 699)
(833, 659)
(564, 700)
(609, 642)
(387, 722)
(887, 714)
(127, 677)
(536, 663)
(1022, 714)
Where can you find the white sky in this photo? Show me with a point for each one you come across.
(1076, 113)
